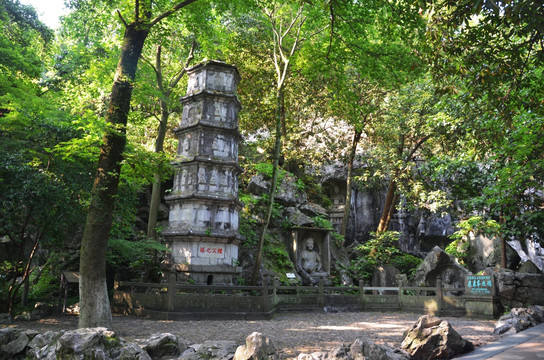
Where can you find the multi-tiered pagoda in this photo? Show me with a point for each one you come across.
(203, 220)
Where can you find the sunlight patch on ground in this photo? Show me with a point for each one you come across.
(355, 326)
(382, 326)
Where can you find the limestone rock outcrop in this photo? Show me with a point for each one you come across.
(87, 343)
(12, 342)
(210, 350)
(360, 349)
(257, 347)
(520, 319)
(164, 345)
(515, 289)
(433, 338)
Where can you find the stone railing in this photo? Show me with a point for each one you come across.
(175, 301)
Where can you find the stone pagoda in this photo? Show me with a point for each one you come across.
(203, 220)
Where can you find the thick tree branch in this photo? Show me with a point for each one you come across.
(171, 11)
(190, 58)
(122, 19)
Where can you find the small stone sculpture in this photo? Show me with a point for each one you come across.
(310, 259)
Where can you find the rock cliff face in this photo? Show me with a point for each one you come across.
(517, 289)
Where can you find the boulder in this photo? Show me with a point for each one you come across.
(131, 351)
(12, 343)
(257, 347)
(289, 194)
(432, 338)
(42, 310)
(529, 267)
(210, 350)
(385, 276)
(39, 347)
(313, 210)
(5, 319)
(258, 185)
(164, 345)
(436, 264)
(297, 218)
(520, 319)
(358, 350)
(24, 316)
(363, 349)
(86, 343)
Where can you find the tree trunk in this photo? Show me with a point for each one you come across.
(277, 152)
(156, 189)
(166, 91)
(347, 203)
(388, 207)
(94, 303)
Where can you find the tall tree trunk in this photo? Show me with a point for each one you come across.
(166, 92)
(94, 303)
(14, 288)
(156, 189)
(275, 170)
(392, 197)
(351, 160)
(389, 206)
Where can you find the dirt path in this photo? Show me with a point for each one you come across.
(291, 333)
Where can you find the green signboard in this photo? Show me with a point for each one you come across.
(482, 285)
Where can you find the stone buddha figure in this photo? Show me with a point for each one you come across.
(310, 259)
(309, 263)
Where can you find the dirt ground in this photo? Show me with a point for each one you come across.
(291, 333)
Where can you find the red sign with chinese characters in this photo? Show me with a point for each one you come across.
(211, 250)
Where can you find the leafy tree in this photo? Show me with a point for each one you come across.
(286, 22)
(373, 49)
(40, 192)
(489, 55)
(94, 303)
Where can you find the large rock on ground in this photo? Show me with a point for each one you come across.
(12, 343)
(360, 349)
(39, 347)
(164, 346)
(88, 343)
(210, 350)
(432, 338)
(439, 264)
(520, 319)
(257, 347)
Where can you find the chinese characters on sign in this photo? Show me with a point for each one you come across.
(211, 250)
(479, 285)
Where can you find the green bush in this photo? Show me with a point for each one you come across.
(381, 249)
(460, 246)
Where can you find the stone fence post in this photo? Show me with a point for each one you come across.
(266, 303)
(171, 293)
(439, 293)
(400, 294)
(321, 294)
(362, 293)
